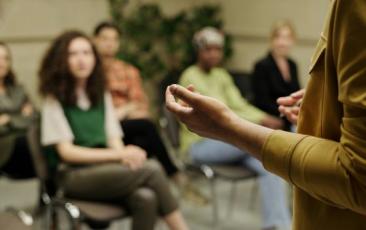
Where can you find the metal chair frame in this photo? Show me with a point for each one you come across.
(74, 211)
(233, 174)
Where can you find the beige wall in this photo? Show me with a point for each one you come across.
(29, 25)
(250, 21)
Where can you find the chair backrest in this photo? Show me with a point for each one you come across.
(170, 127)
(39, 160)
(243, 81)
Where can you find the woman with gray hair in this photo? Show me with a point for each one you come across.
(212, 80)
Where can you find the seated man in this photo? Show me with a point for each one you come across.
(132, 107)
(129, 99)
(210, 79)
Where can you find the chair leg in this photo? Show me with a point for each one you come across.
(210, 175)
(45, 210)
(253, 194)
(47, 223)
(215, 211)
(74, 215)
(231, 199)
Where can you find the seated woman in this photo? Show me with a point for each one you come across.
(276, 74)
(78, 120)
(209, 78)
(16, 115)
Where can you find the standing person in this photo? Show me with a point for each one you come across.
(16, 116)
(326, 161)
(79, 125)
(132, 107)
(276, 74)
(211, 79)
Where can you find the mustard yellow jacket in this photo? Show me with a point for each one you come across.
(326, 163)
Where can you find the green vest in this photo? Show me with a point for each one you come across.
(87, 126)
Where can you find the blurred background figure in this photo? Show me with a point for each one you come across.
(16, 115)
(208, 78)
(132, 107)
(276, 74)
(80, 130)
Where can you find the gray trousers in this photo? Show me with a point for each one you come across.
(144, 192)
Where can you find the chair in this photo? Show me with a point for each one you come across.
(231, 173)
(243, 82)
(96, 214)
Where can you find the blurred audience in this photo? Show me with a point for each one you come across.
(16, 115)
(79, 124)
(208, 78)
(132, 106)
(276, 74)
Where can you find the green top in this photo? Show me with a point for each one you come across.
(87, 127)
(218, 84)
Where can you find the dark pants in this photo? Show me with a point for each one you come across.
(20, 165)
(143, 133)
(144, 192)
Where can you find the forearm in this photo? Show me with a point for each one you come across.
(82, 155)
(20, 121)
(298, 158)
(115, 143)
(246, 135)
(323, 168)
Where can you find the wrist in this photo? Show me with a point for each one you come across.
(115, 155)
(250, 137)
(230, 129)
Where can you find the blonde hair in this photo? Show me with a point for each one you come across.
(278, 25)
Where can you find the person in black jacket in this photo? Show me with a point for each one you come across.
(276, 75)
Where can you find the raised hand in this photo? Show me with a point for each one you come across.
(290, 106)
(203, 115)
